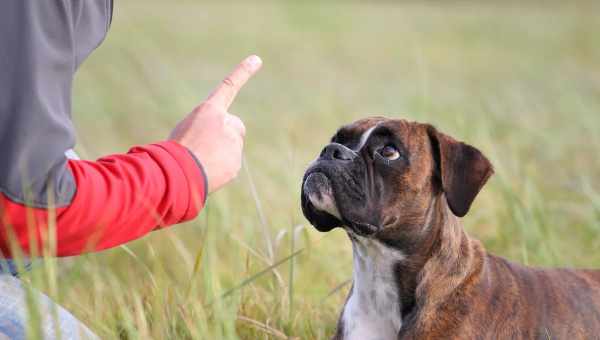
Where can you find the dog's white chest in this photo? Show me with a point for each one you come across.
(373, 310)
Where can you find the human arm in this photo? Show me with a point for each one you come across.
(90, 205)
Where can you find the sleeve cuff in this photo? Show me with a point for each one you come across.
(202, 172)
(194, 173)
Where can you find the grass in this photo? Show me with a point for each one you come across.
(519, 81)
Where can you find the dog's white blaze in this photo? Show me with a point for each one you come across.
(372, 312)
(365, 137)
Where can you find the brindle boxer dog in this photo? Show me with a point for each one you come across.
(399, 188)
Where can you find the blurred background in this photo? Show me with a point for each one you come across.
(519, 80)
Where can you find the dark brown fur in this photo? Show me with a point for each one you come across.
(451, 288)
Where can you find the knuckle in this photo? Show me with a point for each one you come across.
(204, 107)
(208, 109)
(237, 139)
(238, 124)
(228, 81)
(199, 109)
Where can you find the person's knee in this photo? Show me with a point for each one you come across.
(43, 317)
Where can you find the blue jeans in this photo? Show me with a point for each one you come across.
(55, 322)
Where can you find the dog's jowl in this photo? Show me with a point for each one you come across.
(399, 190)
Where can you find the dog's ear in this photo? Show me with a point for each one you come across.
(462, 170)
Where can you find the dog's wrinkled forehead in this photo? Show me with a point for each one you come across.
(355, 135)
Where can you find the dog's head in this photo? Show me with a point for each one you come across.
(378, 175)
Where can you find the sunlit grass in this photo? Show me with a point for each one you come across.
(521, 82)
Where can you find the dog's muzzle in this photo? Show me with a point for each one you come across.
(318, 202)
(317, 186)
(319, 192)
(326, 199)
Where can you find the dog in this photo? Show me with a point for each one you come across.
(399, 190)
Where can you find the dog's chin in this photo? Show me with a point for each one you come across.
(320, 207)
(362, 229)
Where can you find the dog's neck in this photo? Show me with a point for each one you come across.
(373, 310)
(390, 282)
(451, 257)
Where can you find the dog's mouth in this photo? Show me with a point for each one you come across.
(321, 208)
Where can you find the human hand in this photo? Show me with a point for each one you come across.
(213, 135)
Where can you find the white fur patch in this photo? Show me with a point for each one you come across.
(373, 310)
(365, 137)
(325, 202)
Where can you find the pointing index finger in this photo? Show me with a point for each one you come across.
(225, 93)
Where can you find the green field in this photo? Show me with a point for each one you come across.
(520, 82)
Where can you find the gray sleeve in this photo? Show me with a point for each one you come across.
(42, 42)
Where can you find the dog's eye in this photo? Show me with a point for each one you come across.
(389, 152)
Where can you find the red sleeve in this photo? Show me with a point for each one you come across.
(119, 198)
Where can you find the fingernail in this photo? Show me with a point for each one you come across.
(254, 62)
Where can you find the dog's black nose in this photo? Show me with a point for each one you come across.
(335, 151)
